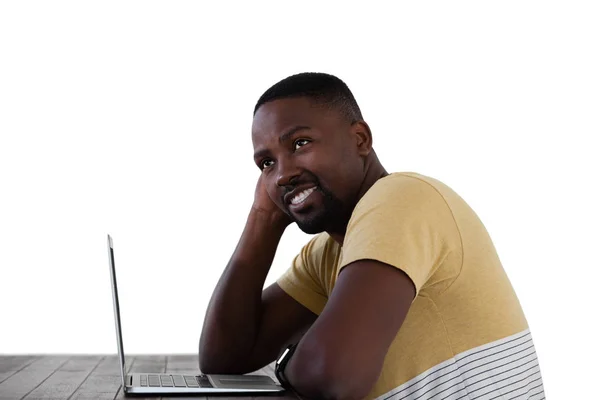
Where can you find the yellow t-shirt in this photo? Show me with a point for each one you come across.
(465, 335)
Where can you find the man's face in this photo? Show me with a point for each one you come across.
(309, 158)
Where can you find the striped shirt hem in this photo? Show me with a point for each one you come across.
(505, 369)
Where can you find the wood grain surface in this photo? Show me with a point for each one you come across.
(71, 377)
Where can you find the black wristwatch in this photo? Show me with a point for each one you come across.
(281, 363)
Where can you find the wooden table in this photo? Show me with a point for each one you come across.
(71, 377)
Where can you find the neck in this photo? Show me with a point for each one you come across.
(374, 172)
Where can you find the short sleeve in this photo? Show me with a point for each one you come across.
(404, 222)
(304, 280)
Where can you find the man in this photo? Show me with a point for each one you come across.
(401, 295)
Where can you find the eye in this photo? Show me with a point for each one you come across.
(305, 141)
(264, 164)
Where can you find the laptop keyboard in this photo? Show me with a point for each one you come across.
(156, 380)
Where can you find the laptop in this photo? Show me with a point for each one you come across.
(166, 383)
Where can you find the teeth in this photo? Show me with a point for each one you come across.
(299, 198)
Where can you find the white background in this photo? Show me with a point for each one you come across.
(133, 118)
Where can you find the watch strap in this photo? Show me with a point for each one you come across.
(282, 363)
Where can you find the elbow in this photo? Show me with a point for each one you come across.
(213, 362)
(213, 366)
(206, 363)
(207, 366)
(209, 362)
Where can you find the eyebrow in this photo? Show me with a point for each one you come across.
(282, 138)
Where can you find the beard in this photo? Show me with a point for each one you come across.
(328, 217)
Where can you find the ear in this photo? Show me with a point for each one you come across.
(362, 134)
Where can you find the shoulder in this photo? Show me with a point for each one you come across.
(404, 183)
(402, 191)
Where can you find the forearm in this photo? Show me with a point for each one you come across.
(233, 316)
(305, 372)
(317, 373)
(312, 380)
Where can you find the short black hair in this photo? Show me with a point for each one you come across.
(323, 89)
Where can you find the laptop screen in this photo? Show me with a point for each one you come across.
(113, 277)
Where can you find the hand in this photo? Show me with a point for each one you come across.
(264, 204)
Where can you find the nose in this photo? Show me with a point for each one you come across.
(287, 172)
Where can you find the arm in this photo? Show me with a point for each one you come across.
(244, 327)
(341, 355)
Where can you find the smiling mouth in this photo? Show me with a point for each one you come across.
(300, 197)
(301, 200)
